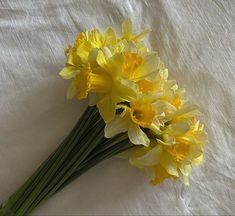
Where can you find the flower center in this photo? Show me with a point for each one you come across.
(87, 81)
(132, 61)
(142, 113)
(179, 151)
(146, 86)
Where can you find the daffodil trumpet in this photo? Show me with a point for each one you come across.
(134, 111)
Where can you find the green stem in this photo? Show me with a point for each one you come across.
(81, 150)
(85, 166)
(70, 167)
(23, 192)
(55, 168)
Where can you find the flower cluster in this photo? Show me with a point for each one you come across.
(129, 85)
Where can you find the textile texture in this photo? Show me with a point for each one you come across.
(195, 39)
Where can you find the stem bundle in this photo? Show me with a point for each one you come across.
(82, 149)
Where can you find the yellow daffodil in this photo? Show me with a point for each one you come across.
(84, 44)
(142, 112)
(121, 90)
(139, 114)
(103, 78)
(178, 155)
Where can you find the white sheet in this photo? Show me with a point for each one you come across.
(196, 41)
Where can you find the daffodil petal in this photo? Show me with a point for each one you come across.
(83, 51)
(150, 65)
(114, 65)
(164, 143)
(107, 52)
(137, 136)
(188, 110)
(180, 127)
(142, 35)
(162, 106)
(73, 58)
(106, 108)
(72, 91)
(127, 29)
(93, 55)
(116, 126)
(124, 90)
(101, 60)
(169, 164)
(69, 72)
(186, 170)
(110, 36)
(93, 99)
(152, 157)
(160, 175)
(199, 160)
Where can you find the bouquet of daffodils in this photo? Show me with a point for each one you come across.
(134, 112)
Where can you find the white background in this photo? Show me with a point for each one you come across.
(196, 40)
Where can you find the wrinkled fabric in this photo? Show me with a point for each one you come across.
(195, 39)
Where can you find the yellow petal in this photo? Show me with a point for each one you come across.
(163, 106)
(101, 60)
(116, 126)
(180, 127)
(110, 37)
(73, 58)
(93, 98)
(152, 157)
(187, 111)
(93, 55)
(83, 51)
(199, 160)
(148, 67)
(124, 90)
(137, 136)
(142, 35)
(107, 52)
(155, 127)
(114, 65)
(72, 91)
(186, 170)
(69, 72)
(137, 152)
(160, 175)
(127, 29)
(169, 164)
(106, 108)
(166, 143)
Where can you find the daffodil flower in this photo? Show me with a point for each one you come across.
(105, 81)
(167, 160)
(143, 112)
(78, 55)
(120, 90)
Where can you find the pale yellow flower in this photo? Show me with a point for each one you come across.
(103, 79)
(141, 112)
(166, 160)
(83, 46)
